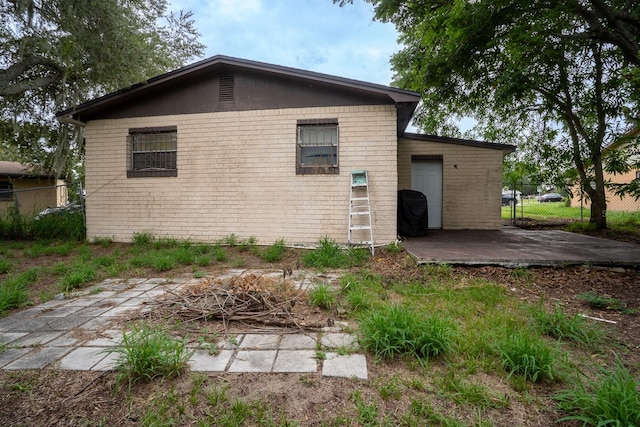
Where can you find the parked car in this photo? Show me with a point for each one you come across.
(508, 199)
(550, 197)
(70, 208)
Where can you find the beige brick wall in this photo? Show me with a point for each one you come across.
(614, 202)
(32, 195)
(236, 174)
(471, 182)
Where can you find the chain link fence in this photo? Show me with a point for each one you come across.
(532, 202)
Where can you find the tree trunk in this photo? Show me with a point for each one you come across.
(598, 198)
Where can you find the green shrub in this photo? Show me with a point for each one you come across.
(323, 296)
(13, 226)
(397, 330)
(62, 226)
(146, 353)
(613, 400)
(274, 252)
(526, 355)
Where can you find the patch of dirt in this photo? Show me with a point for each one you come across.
(62, 398)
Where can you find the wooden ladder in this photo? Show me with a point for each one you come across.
(360, 211)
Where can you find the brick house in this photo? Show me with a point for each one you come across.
(27, 190)
(228, 145)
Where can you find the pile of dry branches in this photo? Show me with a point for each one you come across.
(249, 298)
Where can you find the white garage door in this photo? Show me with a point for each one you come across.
(426, 177)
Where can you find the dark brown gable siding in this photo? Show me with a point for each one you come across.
(252, 91)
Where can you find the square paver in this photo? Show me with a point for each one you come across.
(339, 340)
(82, 358)
(117, 311)
(298, 342)
(202, 360)
(66, 340)
(109, 363)
(296, 361)
(109, 338)
(260, 341)
(67, 323)
(7, 337)
(253, 361)
(12, 354)
(62, 311)
(36, 338)
(38, 358)
(347, 366)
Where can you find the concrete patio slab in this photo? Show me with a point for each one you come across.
(36, 338)
(38, 358)
(339, 340)
(295, 361)
(83, 358)
(298, 342)
(260, 341)
(253, 361)
(202, 360)
(12, 354)
(73, 334)
(350, 366)
(7, 337)
(513, 247)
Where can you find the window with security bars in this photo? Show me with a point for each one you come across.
(153, 151)
(317, 148)
(6, 191)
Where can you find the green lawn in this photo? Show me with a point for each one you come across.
(558, 210)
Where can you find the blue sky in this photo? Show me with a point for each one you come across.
(314, 35)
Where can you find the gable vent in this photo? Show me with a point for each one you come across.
(226, 91)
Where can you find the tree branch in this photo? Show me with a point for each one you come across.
(10, 78)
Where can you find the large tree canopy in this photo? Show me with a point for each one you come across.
(563, 76)
(57, 53)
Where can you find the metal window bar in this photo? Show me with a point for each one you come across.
(154, 151)
(318, 144)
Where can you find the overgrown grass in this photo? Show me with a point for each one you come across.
(62, 226)
(322, 295)
(604, 302)
(149, 352)
(395, 329)
(613, 399)
(330, 254)
(274, 252)
(526, 355)
(558, 324)
(14, 290)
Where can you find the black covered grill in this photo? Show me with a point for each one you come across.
(413, 218)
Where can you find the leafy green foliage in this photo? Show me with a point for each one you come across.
(52, 59)
(611, 400)
(533, 71)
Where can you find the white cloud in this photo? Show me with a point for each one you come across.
(310, 34)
